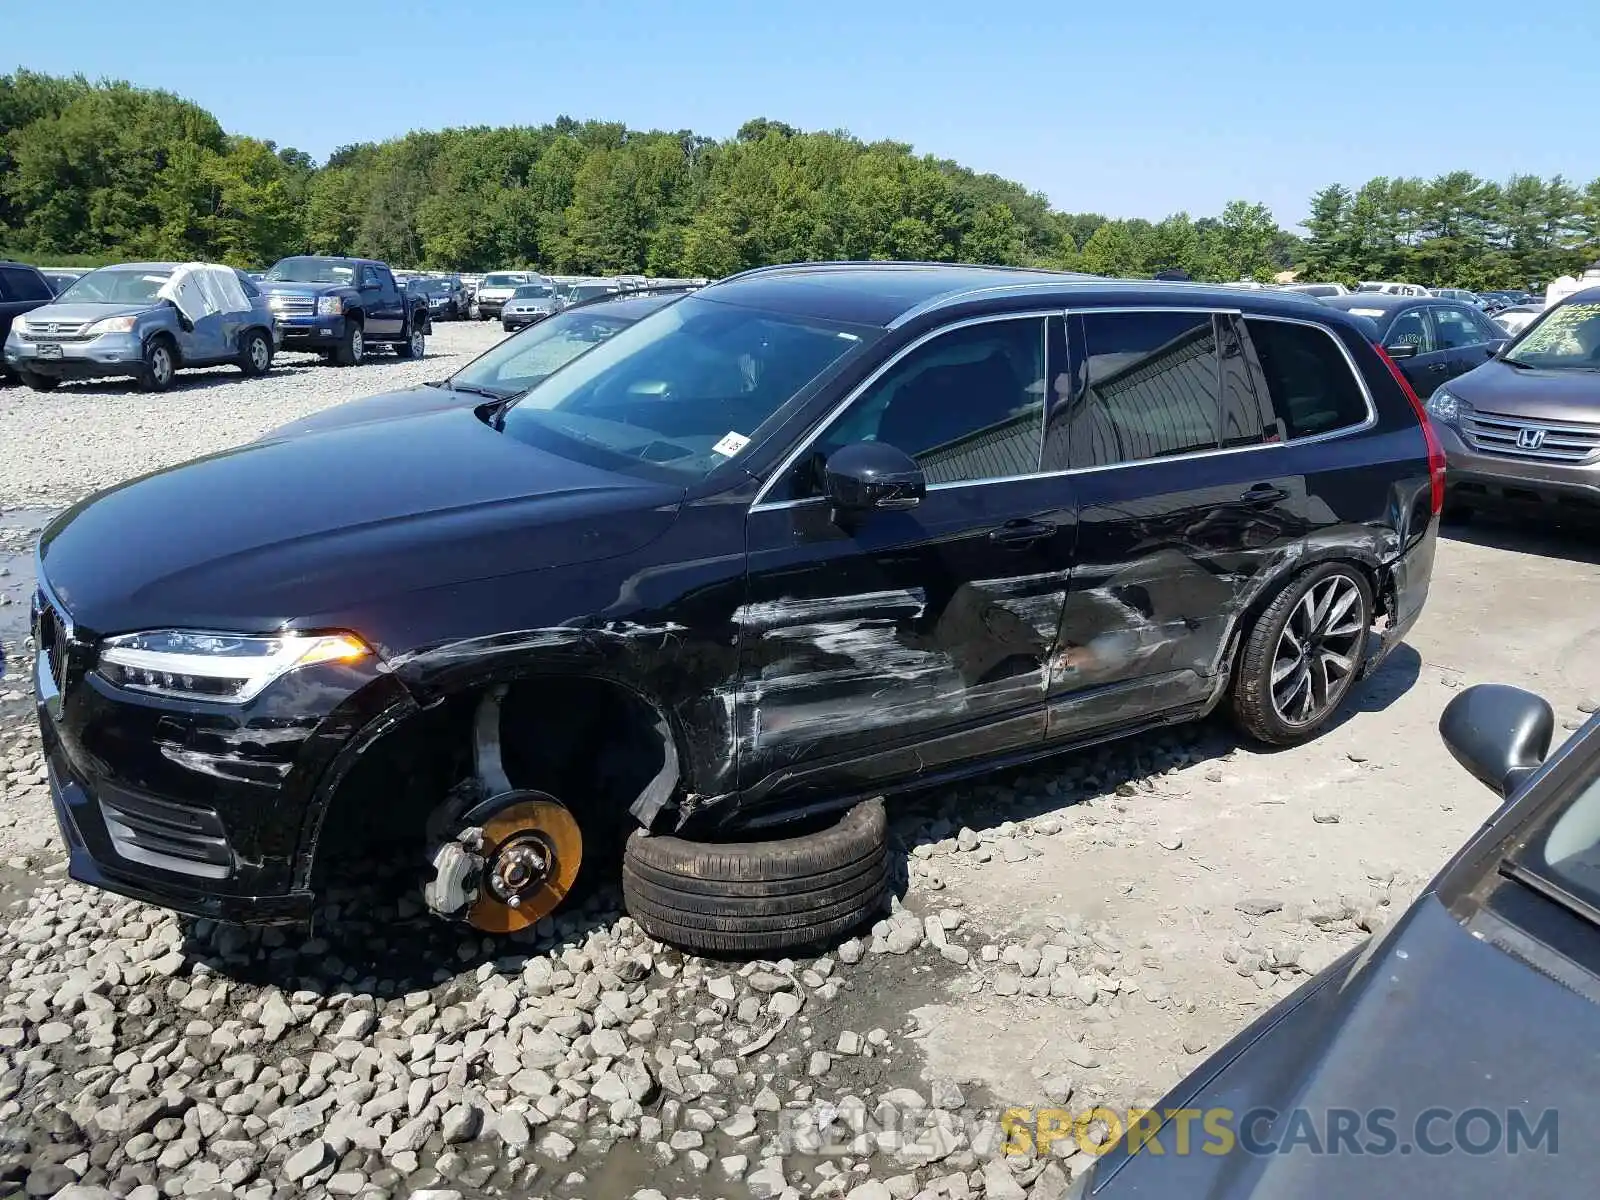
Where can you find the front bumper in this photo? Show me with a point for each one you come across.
(1503, 480)
(489, 306)
(207, 809)
(299, 332)
(109, 354)
(514, 319)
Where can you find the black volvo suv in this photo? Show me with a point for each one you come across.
(810, 536)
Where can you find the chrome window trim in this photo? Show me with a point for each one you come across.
(761, 503)
(1328, 435)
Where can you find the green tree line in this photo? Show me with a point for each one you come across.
(106, 171)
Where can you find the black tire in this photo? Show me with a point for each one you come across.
(352, 347)
(414, 346)
(755, 897)
(507, 328)
(160, 366)
(39, 383)
(1254, 707)
(255, 353)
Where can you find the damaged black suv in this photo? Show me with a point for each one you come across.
(813, 535)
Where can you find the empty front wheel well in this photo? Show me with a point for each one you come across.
(596, 745)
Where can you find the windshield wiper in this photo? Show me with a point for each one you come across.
(471, 389)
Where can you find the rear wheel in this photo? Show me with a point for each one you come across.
(1301, 658)
(160, 365)
(753, 897)
(39, 383)
(255, 354)
(414, 345)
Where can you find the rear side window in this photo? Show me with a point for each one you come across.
(1309, 380)
(19, 283)
(1150, 388)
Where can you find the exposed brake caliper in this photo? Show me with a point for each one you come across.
(502, 857)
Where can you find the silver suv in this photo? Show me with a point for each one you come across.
(144, 321)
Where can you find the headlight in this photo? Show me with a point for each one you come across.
(110, 325)
(1444, 406)
(276, 301)
(217, 666)
(330, 306)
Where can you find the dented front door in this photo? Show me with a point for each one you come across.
(900, 643)
(918, 641)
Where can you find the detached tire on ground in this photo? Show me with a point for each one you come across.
(753, 897)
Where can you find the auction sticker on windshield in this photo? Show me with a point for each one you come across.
(731, 444)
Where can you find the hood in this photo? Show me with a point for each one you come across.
(281, 531)
(78, 313)
(384, 407)
(269, 287)
(1434, 1018)
(1498, 387)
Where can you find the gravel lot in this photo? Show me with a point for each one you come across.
(82, 437)
(1081, 932)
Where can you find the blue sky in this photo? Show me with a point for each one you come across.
(1131, 109)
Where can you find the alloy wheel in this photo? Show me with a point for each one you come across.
(260, 353)
(417, 344)
(358, 344)
(1318, 651)
(161, 365)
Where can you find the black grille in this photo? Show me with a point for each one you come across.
(53, 636)
(176, 837)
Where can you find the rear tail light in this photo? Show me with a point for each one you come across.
(1436, 461)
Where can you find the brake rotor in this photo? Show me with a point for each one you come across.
(531, 854)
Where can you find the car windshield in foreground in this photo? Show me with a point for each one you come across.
(510, 281)
(533, 291)
(1565, 338)
(115, 285)
(312, 270)
(513, 366)
(681, 391)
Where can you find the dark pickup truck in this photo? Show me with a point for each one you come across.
(341, 306)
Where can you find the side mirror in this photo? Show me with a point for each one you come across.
(1401, 350)
(1499, 733)
(872, 476)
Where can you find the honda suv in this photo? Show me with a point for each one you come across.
(807, 537)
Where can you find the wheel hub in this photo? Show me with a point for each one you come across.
(532, 850)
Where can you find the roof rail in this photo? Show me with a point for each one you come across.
(848, 264)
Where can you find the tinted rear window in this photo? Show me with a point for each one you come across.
(1311, 385)
(19, 283)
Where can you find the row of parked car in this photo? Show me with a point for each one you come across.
(147, 321)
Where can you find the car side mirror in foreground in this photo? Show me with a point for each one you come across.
(1499, 733)
(872, 476)
(1401, 350)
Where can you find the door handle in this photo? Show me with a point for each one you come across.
(1265, 493)
(1021, 533)
(1439, 367)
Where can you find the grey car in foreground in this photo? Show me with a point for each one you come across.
(1522, 431)
(115, 322)
(1455, 1054)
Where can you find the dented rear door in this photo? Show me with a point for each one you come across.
(1185, 513)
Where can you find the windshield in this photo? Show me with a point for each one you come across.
(503, 281)
(516, 364)
(588, 291)
(684, 389)
(440, 286)
(533, 291)
(115, 285)
(1565, 338)
(312, 270)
